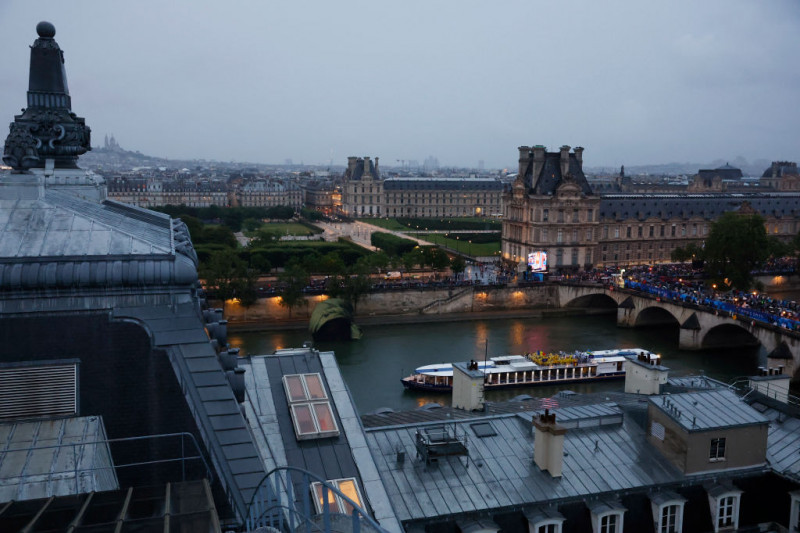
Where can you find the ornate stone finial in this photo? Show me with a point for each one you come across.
(47, 128)
(46, 30)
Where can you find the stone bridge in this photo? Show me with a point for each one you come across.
(700, 327)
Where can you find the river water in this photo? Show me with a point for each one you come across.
(373, 366)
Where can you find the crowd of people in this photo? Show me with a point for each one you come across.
(679, 283)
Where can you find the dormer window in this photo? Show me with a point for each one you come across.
(667, 507)
(607, 517)
(724, 500)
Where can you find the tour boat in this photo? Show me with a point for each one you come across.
(537, 368)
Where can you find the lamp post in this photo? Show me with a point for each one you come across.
(470, 247)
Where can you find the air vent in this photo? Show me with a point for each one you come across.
(39, 390)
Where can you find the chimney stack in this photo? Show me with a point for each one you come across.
(524, 157)
(467, 386)
(564, 160)
(579, 155)
(548, 443)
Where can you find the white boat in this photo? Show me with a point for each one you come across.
(536, 368)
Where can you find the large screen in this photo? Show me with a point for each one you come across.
(537, 261)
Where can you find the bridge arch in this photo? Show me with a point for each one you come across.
(655, 316)
(726, 335)
(593, 300)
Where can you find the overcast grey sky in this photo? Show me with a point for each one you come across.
(633, 82)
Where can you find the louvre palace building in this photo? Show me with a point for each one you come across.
(365, 193)
(551, 207)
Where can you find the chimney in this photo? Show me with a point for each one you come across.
(366, 167)
(539, 155)
(524, 157)
(564, 160)
(579, 155)
(548, 443)
(377, 173)
(467, 386)
(352, 161)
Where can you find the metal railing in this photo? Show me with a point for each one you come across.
(744, 387)
(275, 504)
(109, 470)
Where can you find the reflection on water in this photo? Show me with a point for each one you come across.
(374, 365)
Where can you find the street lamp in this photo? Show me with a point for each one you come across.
(470, 247)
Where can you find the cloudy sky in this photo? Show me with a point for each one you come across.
(314, 81)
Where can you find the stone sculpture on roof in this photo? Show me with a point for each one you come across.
(47, 128)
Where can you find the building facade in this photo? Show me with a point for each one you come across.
(552, 208)
(366, 194)
(362, 188)
(268, 193)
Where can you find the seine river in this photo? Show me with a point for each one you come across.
(373, 366)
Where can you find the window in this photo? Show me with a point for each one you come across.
(628, 232)
(575, 215)
(725, 511)
(549, 528)
(590, 215)
(559, 235)
(608, 523)
(337, 504)
(794, 512)
(545, 236)
(545, 215)
(309, 407)
(669, 519)
(717, 451)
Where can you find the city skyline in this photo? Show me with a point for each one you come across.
(460, 81)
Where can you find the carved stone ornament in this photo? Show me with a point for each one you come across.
(20, 150)
(47, 128)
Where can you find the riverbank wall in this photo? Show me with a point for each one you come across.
(423, 305)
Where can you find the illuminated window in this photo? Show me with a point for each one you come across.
(337, 504)
(311, 411)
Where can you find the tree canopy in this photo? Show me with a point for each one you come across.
(736, 245)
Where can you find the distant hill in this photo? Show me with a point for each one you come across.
(119, 159)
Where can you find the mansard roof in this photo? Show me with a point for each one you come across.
(550, 177)
(618, 207)
(442, 184)
(359, 171)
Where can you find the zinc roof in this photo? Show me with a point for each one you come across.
(500, 472)
(704, 410)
